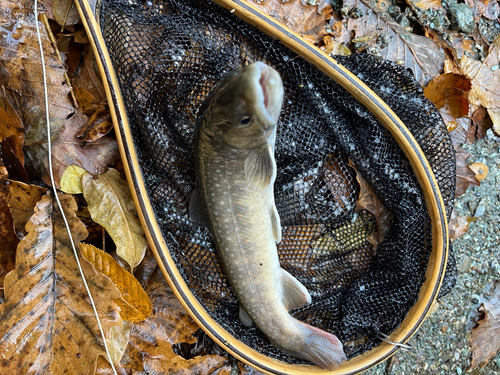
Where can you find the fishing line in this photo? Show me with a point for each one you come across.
(49, 145)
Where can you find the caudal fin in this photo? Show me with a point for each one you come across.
(323, 349)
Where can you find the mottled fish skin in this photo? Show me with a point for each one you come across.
(235, 167)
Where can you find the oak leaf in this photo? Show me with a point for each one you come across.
(386, 38)
(59, 332)
(485, 338)
(110, 204)
(135, 304)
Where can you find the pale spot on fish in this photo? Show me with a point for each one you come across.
(240, 202)
(246, 240)
(237, 181)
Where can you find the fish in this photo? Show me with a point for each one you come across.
(235, 167)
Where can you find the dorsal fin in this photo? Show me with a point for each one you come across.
(260, 166)
(295, 295)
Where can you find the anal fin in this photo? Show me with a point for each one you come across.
(245, 318)
(295, 295)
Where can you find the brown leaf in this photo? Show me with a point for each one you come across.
(480, 170)
(13, 164)
(459, 225)
(369, 201)
(485, 78)
(461, 131)
(448, 92)
(65, 12)
(135, 304)
(495, 118)
(8, 236)
(150, 346)
(98, 125)
(22, 203)
(21, 67)
(305, 20)
(11, 127)
(86, 101)
(465, 176)
(110, 204)
(380, 35)
(59, 332)
(490, 10)
(88, 77)
(482, 121)
(67, 150)
(485, 338)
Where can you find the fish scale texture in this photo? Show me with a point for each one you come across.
(168, 55)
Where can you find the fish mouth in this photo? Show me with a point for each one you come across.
(271, 95)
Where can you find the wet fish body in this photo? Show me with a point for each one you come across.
(236, 170)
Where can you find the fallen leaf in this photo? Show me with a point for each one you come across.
(369, 201)
(150, 346)
(482, 121)
(110, 204)
(495, 118)
(71, 180)
(465, 176)
(485, 338)
(480, 170)
(8, 236)
(380, 35)
(135, 304)
(59, 332)
(99, 124)
(22, 203)
(305, 20)
(65, 12)
(426, 4)
(11, 127)
(448, 92)
(67, 150)
(490, 10)
(459, 225)
(88, 76)
(86, 101)
(11, 161)
(485, 78)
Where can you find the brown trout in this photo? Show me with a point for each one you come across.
(235, 174)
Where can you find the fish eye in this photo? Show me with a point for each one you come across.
(245, 120)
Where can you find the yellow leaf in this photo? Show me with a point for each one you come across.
(71, 180)
(110, 205)
(135, 303)
(118, 340)
(47, 324)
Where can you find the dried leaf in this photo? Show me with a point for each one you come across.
(135, 303)
(118, 340)
(67, 150)
(22, 203)
(459, 225)
(465, 176)
(151, 341)
(8, 236)
(13, 164)
(11, 127)
(65, 12)
(461, 131)
(485, 78)
(369, 201)
(88, 77)
(71, 180)
(388, 39)
(482, 121)
(59, 332)
(99, 124)
(426, 4)
(485, 338)
(480, 170)
(110, 204)
(86, 101)
(495, 118)
(305, 20)
(448, 92)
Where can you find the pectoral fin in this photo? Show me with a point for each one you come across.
(260, 166)
(245, 318)
(276, 223)
(197, 212)
(295, 295)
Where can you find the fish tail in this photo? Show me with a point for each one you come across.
(322, 348)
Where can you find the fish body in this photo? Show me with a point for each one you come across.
(235, 174)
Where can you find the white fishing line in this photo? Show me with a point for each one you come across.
(49, 145)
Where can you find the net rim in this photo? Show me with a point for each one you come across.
(434, 202)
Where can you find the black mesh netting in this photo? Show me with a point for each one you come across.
(169, 54)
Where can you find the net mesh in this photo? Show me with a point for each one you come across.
(169, 54)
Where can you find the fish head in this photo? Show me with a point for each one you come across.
(244, 108)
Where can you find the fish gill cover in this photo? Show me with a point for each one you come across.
(169, 54)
